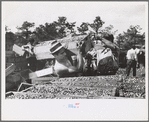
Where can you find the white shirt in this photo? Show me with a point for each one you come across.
(131, 54)
(137, 50)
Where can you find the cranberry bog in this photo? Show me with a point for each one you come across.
(90, 87)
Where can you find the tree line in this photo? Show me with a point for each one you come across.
(60, 28)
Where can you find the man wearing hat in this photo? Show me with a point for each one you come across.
(29, 54)
(67, 63)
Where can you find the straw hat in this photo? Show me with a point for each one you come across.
(55, 46)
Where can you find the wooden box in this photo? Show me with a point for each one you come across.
(18, 50)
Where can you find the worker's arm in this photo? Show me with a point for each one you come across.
(78, 63)
(136, 57)
(108, 43)
(128, 55)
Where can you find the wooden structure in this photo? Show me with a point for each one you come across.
(42, 50)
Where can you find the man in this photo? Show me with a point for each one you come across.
(137, 53)
(67, 63)
(141, 56)
(107, 57)
(29, 54)
(131, 61)
(100, 59)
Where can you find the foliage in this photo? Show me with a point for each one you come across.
(25, 30)
(7, 29)
(10, 37)
(132, 37)
(62, 28)
(55, 30)
(108, 30)
(97, 24)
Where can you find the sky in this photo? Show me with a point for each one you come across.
(119, 14)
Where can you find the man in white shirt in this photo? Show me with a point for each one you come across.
(131, 61)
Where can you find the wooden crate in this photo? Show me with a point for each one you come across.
(18, 50)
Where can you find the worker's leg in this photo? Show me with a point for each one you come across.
(134, 68)
(128, 68)
(32, 63)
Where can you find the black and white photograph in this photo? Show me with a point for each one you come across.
(74, 55)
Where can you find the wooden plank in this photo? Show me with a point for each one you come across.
(40, 73)
(42, 80)
(9, 93)
(10, 69)
(45, 78)
(42, 56)
(23, 86)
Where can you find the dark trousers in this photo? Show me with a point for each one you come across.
(131, 64)
(32, 63)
